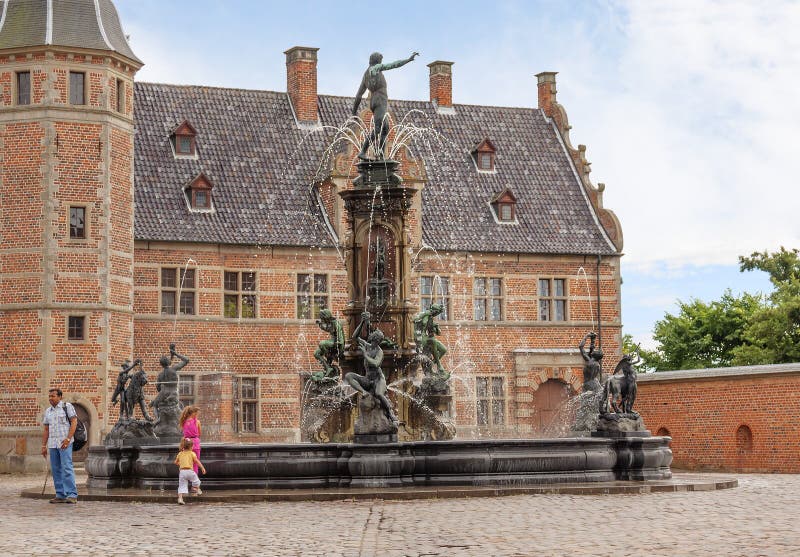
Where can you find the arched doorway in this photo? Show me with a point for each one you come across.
(85, 417)
(551, 413)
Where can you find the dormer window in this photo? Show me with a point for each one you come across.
(198, 194)
(483, 155)
(183, 140)
(504, 205)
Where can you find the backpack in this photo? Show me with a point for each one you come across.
(79, 437)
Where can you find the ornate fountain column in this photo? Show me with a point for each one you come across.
(377, 257)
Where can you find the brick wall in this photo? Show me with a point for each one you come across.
(277, 347)
(743, 419)
(55, 156)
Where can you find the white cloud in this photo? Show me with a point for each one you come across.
(694, 130)
(689, 109)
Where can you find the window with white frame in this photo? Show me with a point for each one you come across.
(312, 294)
(178, 292)
(487, 298)
(245, 404)
(239, 299)
(490, 405)
(187, 389)
(435, 290)
(553, 299)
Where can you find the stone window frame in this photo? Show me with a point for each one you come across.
(490, 397)
(179, 285)
(487, 297)
(119, 101)
(85, 237)
(552, 300)
(71, 90)
(237, 293)
(70, 326)
(187, 396)
(251, 402)
(17, 89)
(312, 294)
(434, 295)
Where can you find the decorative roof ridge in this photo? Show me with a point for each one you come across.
(593, 209)
(213, 87)
(3, 15)
(100, 25)
(48, 38)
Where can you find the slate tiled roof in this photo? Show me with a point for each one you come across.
(76, 23)
(261, 166)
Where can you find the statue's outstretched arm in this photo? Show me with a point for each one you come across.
(397, 63)
(582, 348)
(183, 361)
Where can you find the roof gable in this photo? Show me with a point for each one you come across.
(485, 146)
(505, 196)
(184, 128)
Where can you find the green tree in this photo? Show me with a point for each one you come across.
(772, 335)
(735, 330)
(702, 334)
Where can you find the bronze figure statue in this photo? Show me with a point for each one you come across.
(373, 382)
(425, 331)
(120, 389)
(134, 393)
(374, 82)
(331, 349)
(167, 386)
(592, 372)
(622, 388)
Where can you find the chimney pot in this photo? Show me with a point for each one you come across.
(441, 83)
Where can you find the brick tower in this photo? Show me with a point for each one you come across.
(66, 211)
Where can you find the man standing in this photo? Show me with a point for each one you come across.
(60, 421)
(374, 82)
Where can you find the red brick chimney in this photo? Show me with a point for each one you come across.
(441, 79)
(547, 92)
(301, 82)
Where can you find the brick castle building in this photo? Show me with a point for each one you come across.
(139, 214)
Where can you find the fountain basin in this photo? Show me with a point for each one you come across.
(418, 463)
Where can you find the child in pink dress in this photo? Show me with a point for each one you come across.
(191, 429)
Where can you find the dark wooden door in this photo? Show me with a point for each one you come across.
(550, 406)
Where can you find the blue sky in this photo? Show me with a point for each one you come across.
(690, 109)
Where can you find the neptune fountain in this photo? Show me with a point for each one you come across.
(385, 340)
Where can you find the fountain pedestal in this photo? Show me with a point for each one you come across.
(372, 425)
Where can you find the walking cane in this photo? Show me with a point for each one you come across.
(46, 475)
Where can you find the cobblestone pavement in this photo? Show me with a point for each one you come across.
(760, 517)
